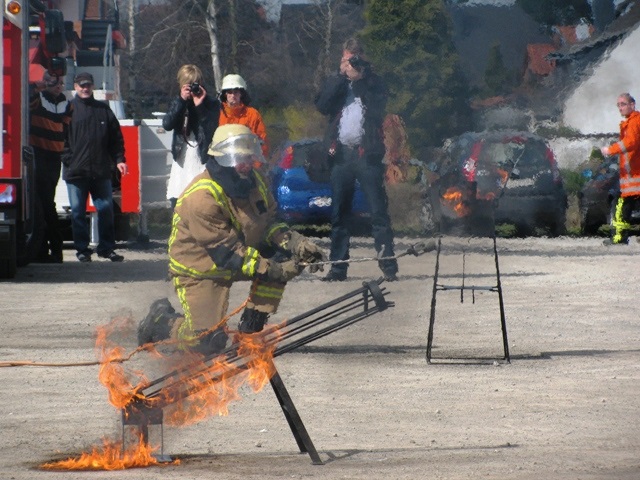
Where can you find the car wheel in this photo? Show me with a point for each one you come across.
(559, 225)
(588, 224)
(427, 218)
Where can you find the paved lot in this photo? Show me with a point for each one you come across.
(565, 408)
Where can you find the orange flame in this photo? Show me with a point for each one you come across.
(110, 457)
(454, 199)
(214, 387)
(202, 391)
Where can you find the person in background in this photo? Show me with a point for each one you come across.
(224, 230)
(235, 109)
(193, 117)
(50, 112)
(355, 99)
(628, 150)
(93, 150)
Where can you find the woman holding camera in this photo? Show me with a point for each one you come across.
(193, 116)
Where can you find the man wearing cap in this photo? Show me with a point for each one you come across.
(93, 150)
(224, 229)
(49, 113)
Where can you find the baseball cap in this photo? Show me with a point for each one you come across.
(82, 78)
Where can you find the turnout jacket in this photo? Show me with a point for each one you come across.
(629, 150)
(93, 141)
(202, 121)
(219, 235)
(373, 93)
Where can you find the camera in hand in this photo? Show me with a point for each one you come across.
(358, 62)
(195, 89)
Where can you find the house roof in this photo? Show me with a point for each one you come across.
(537, 61)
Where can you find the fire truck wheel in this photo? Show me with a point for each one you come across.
(8, 264)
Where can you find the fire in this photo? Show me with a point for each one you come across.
(110, 457)
(200, 390)
(454, 199)
(207, 390)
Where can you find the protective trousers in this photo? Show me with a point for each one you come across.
(205, 303)
(621, 210)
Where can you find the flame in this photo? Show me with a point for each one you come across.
(201, 390)
(112, 374)
(454, 199)
(110, 457)
(210, 391)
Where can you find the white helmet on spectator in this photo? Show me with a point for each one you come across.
(233, 81)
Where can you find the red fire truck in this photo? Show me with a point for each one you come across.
(64, 37)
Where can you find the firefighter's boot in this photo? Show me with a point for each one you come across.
(156, 326)
(252, 321)
(212, 343)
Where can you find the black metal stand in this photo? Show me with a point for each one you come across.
(293, 419)
(440, 287)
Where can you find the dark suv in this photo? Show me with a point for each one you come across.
(497, 177)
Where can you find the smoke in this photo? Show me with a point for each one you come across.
(592, 106)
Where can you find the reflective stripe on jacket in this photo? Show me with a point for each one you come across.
(629, 150)
(216, 236)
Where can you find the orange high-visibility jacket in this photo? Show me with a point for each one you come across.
(249, 117)
(629, 150)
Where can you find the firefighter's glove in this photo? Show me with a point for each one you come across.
(283, 271)
(307, 252)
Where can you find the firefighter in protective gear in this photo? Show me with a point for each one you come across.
(628, 149)
(224, 230)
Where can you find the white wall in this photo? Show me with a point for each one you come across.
(592, 106)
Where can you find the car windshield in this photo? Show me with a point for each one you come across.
(527, 157)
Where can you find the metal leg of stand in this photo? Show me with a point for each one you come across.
(432, 316)
(503, 321)
(293, 419)
(95, 236)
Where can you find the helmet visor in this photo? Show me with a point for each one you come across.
(237, 150)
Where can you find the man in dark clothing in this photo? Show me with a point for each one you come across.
(49, 113)
(355, 100)
(94, 148)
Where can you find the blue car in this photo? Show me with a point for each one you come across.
(302, 200)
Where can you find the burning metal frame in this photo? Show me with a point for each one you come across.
(147, 405)
(497, 288)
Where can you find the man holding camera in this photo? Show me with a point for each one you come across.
(355, 99)
(193, 117)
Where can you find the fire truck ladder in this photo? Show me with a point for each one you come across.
(438, 287)
(339, 313)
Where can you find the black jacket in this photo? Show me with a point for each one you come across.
(373, 93)
(93, 142)
(202, 120)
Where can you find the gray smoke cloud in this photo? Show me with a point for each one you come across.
(592, 106)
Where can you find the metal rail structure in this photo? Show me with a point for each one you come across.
(147, 407)
(437, 287)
